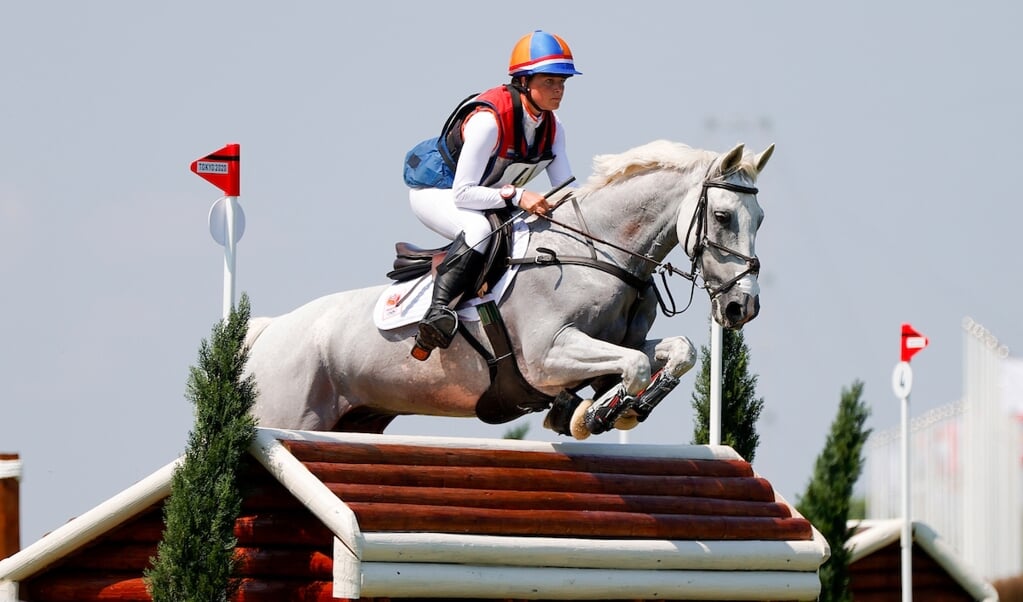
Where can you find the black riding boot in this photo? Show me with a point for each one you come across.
(455, 274)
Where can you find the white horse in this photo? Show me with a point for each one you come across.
(326, 366)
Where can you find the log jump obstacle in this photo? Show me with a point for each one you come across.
(330, 516)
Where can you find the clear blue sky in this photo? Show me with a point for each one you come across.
(893, 195)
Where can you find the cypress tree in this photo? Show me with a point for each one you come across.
(517, 432)
(828, 497)
(195, 559)
(740, 408)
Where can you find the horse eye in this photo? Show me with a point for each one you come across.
(723, 217)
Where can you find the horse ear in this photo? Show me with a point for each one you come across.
(761, 160)
(732, 159)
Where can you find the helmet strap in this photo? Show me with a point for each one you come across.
(524, 90)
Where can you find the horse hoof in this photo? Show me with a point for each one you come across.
(627, 421)
(559, 417)
(578, 425)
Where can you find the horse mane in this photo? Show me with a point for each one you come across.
(659, 154)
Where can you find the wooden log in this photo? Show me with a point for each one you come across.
(10, 505)
(282, 528)
(299, 528)
(277, 590)
(276, 563)
(267, 494)
(750, 489)
(146, 527)
(621, 554)
(891, 579)
(125, 588)
(371, 453)
(290, 561)
(555, 500)
(109, 556)
(559, 523)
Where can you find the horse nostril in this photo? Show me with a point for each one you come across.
(733, 312)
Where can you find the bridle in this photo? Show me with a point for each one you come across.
(700, 221)
(698, 225)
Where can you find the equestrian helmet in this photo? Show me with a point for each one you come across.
(541, 52)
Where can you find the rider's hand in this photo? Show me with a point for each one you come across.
(533, 202)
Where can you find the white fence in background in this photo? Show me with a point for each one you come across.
(965, 462)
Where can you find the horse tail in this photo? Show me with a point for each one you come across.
(256, 328)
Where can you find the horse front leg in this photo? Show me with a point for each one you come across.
(671, 357)
(578, 357)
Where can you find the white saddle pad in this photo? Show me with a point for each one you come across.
(405, 303)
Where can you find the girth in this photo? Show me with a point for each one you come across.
(509, 395)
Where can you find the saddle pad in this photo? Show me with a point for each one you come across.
(405, 303)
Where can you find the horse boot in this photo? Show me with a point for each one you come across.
(455, 274)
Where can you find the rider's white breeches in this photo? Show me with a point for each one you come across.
(436, 208)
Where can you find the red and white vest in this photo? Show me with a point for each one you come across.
(514, 161)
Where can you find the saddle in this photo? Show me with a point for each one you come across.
(509, 395)
(412, 261)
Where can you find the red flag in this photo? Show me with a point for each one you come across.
(222, 169)
(912, 342)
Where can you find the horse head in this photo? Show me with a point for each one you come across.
(721, 236)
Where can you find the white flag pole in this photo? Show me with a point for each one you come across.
(230, 250)
(907, 515)
(227, 225)
(902, 382)
(715, 382)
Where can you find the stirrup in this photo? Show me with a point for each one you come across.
(430, 336)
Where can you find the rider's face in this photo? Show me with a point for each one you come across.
(547, 90)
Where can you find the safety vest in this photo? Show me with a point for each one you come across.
(514, 161)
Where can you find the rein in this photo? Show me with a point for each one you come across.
(699, 224)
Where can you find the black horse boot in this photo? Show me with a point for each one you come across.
(455, 274)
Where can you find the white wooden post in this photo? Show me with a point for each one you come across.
(715, 382)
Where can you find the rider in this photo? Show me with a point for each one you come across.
(493, 158)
